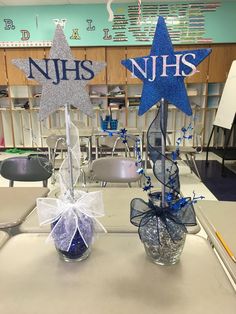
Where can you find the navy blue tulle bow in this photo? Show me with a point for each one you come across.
(143, 213)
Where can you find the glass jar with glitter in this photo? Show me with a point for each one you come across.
(73, 220)
(165, 250)
(162, 230)
(80, 244)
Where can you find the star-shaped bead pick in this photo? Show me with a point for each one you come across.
(164, 70)
(63, 78)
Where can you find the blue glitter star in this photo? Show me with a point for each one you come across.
(164, 70)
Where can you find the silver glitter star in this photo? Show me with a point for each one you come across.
(62, 77)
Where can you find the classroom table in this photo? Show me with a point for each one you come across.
(17, 203)
(85, 132)
(3, 238)
(117, 211)
(220, 216)
(145, 142)
(99, 133)
(116, 278)
(116, 205)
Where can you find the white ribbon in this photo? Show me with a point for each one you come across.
(64, 173)
(109, 9)
(79, 216)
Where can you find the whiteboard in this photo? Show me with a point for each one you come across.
(227, 106)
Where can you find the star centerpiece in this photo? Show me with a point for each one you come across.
(164, 70)
(63, 78)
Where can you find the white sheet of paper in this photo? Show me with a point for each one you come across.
(227, 106)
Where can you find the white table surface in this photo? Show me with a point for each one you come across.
(3, 238)
(17, 203)
(117, 211)
(220, 216)
(116, 278)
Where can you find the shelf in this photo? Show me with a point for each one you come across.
(213, 101)
(215, 89)
(19, 91)
(4, 91)
(94, 97)
(115, 97)
(124, 108)
(34, 102)
(4, 102)
(192, 92)
(18, 109)
(105, 94)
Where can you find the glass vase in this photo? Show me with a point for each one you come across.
(78, 250)
(161, 248)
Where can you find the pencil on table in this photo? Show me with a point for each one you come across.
(228, 250)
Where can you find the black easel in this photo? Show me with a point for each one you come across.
(225, 153)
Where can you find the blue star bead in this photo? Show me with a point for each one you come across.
(164, 70)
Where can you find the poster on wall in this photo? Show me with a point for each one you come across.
(227, 107)
(131, 23)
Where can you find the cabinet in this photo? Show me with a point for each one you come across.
(97, 54)
(15, 76)
(34, 53)
(220, 61)
(18, 111)
(202, 75)
(112, 91)
(219, 64)
(3, 76)
(133, 52)
(78, 53)
(116, 72)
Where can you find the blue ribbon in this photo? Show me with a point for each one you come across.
(142, 213)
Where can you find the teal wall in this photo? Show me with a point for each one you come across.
(196, 23)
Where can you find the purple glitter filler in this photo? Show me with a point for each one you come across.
(78, 246)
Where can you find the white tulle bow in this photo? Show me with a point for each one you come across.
(71, 217)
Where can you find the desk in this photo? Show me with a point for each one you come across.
(130, 131)
(87, 133)
(17, 203)
(84, 132)
(220, 216)
(117, 210)
(3, 238)
(116, 278)
(145, 141)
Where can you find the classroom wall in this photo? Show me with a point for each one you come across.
(88, 25)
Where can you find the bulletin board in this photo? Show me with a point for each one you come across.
(88, 25)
